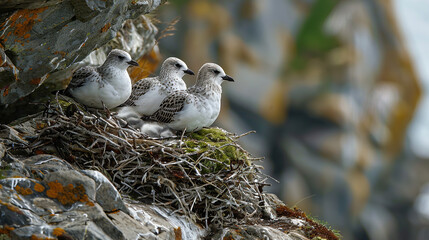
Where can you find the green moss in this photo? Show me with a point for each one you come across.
(4, 237)
(216, 144)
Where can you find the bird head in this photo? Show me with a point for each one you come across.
(176, 67)
(120, 59)
(212, 73)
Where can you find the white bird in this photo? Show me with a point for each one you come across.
(198, 106)
(148, 93)
(108, 84)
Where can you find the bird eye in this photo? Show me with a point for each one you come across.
(178, 65)
(121, 57)
(216, 71)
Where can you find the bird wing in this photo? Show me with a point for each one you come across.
(82, 75)
(139, 88)
(170, 106)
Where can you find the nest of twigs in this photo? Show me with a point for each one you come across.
(205, 175)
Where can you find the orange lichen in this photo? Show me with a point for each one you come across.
(10, 207)
(1, 186)
(114, 211)
(67, 194)
(34, 237)
(178, 233)
(58, 232)
(6, 230)
(105, 27)
(21, 22)
(39, 187)
(37, 152)
(6, 91)
(23, 191)
(35, 81)
(62, 53)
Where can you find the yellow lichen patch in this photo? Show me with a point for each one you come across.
(39, 187)
(22, 21)
(58, 232)
(67, 194)
(178, 233)
(23, 191)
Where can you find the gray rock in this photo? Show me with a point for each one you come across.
(106, 194)
(160, 223)
(42, 164)
(75, 178)
(87, 231)
(9, 5)
(257, 232)
(2, 150)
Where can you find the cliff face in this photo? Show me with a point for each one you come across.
(71, 174)
(42, 41)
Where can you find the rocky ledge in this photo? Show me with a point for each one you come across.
(69, 173)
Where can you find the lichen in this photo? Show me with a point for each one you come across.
(23, 191)
(39, 187)
(68, 194)
(58, 232)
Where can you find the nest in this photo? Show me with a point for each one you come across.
(205, 175)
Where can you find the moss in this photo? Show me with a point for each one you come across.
(4, 237)
(216, 144)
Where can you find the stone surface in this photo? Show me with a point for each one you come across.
(42, 40)
(258, 232)
(106, 194)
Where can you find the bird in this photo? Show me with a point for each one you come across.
(148, 93)
(106, 86)
(198, 106)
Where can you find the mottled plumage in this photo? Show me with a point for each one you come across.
(108, 84)
(148, 93)
(197, 107)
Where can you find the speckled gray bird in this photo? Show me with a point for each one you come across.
(108, 85)
(148, 93)
(196, 107)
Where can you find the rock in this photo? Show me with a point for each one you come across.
(8, 5)
(134, 229)
(160, 223)
(61, 182)
(106, 194)
(258, 232)
(39, 41)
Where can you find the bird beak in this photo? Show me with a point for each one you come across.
(228, 78)
(189, 71)
(133, 63)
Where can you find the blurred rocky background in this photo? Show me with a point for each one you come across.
(333, 90)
